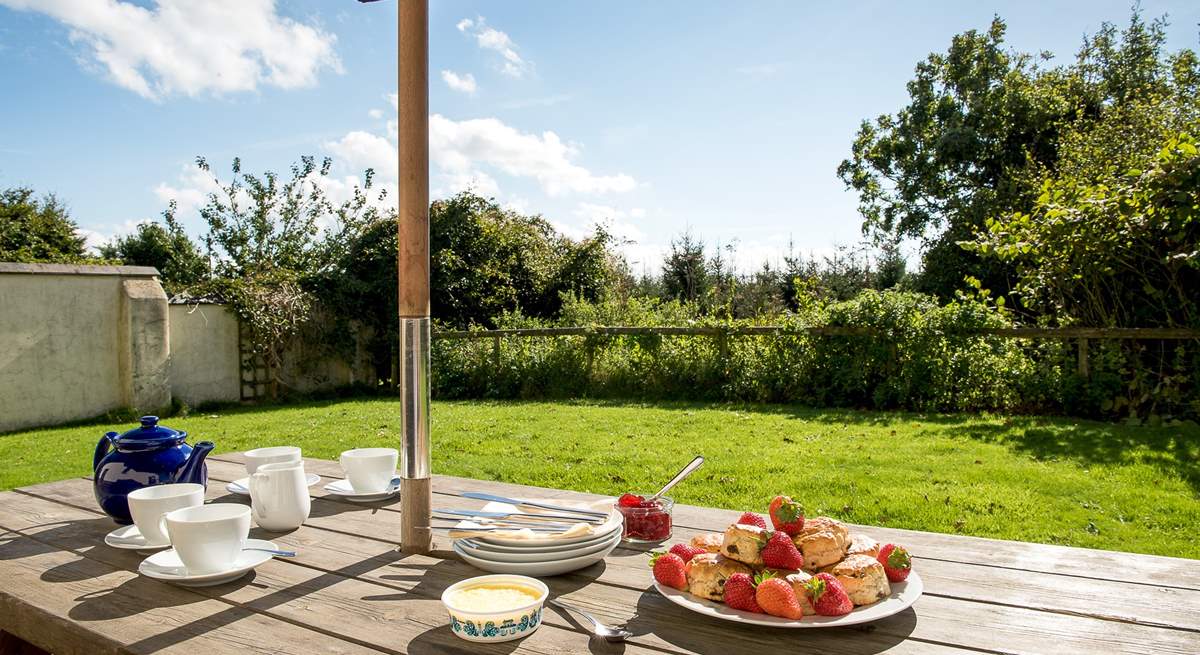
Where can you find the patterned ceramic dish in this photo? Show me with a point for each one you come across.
(509, 617)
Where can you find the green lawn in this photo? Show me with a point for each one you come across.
(1050, 480)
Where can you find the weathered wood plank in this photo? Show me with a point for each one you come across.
(65, 603)
(332, 600)
(623, 576)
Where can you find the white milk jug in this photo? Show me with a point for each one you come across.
(279, 496)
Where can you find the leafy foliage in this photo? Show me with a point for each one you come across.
(165, 247)
(982, 127)
(37, 230)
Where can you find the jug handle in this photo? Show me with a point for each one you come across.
(109, 440)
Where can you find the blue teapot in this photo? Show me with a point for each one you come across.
(143, 457)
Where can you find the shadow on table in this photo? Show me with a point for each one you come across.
(658, 616)
(132, 597)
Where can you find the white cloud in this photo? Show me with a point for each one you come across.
(489, 38)
(185, 47)
(375, 113)
(462, 83)
(362, 150)
(193, 187)
(461, 147)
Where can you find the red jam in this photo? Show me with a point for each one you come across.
(645, 520)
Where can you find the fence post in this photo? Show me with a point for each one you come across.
(496, 354)
(1084, 371)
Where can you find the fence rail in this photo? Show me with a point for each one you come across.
(840, 331)
(721, 334)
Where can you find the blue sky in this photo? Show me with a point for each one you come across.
(725, 118)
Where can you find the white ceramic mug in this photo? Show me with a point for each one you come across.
(208, 538)
(279, 496)
(270, 455)
(369, 470)
(148, 504)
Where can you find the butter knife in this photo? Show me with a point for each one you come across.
(529, 503)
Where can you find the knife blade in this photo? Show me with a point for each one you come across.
(477, 495)
(522, 515)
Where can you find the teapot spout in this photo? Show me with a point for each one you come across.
(193, 470)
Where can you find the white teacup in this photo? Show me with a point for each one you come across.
(208, 538)
(148, 504)
(370, 470)
(270, 455)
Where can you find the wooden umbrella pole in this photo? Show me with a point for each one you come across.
(413, 261)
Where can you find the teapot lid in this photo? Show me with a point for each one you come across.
(150, 434)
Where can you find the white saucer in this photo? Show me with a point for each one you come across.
(343, 489)
(241, 486)
(166, 566)
(128, 537)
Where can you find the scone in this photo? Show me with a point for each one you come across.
(710, 542)
(861, 544)
(798, 581)
(822, 542)
(743, 543)
(707, 572)
(863, 578)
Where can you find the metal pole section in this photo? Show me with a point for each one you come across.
(413, 261)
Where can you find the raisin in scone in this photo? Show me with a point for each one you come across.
(710, 542)
(861, 544)
(822, 542)
(744, 544)
(863, 577)
(707, 572)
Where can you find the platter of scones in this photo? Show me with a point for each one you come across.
(797, 573)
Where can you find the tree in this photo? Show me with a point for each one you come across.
(685, 273)
(164, 246)
(33, 230)
(269, 241)
(982, 126)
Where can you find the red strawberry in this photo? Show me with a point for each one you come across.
(896, 561)
(779, 552)
(750, 518)
(776, 597)
(787, 515)
(686, 551)
(668, 569)
(828, 596)
(740, 593)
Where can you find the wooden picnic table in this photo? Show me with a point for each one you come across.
(350, 590)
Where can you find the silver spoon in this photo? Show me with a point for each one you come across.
(599, 629)
(686, 471)
(277, 553)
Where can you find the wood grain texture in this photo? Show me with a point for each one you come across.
(351, 585)
(412, 125)
(415, 501)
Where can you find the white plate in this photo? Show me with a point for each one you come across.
(904, 594)
(241, 487)
(128, 537)
(537, 569)
(532, 557)
(615, 521)
(535, 546)
(342, 488)
(168, 567)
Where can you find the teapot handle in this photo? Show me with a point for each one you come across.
(108, 440)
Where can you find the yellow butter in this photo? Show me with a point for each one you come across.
(496, 597)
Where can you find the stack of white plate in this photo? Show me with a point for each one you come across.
(539, 557)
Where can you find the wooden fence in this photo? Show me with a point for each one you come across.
(722, 334)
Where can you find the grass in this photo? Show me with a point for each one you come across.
(1050, 480)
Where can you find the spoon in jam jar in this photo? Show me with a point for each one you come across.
(683, 473)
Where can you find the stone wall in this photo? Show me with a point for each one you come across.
(77, 341)
(204, 353)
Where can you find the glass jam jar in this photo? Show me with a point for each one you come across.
(646, 522)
